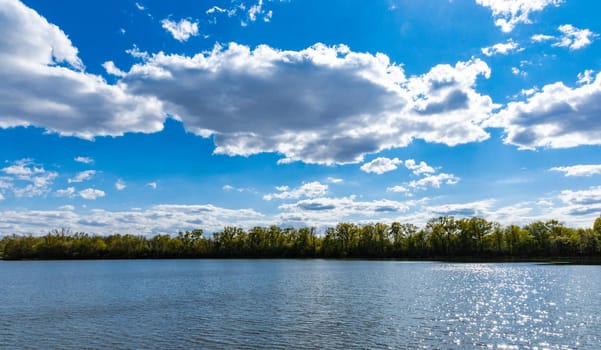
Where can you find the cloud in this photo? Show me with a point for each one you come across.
(334, 180)
(591, 196)
(557, 116)
(85, 160)
(82, 176)
(120, 185)
(165, 219)
(325, 105)
(228, 188)
(434, 181)
(66, 100)
(308, 190)
(418, 169)
(152, 185)
(508, 13)
(293, 102)
(330, 211)
(501, 48)
(574, 38)
(65, 192)
(471, 209)
(27, 179)
(182, 30)
(579, 170)
(140, 6)
(381, 165)
(571, 37)
(398, 189)
(91, 193)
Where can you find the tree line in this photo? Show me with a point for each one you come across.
(444, 237)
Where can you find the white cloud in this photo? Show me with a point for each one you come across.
(182, 30)
(501, 48)
(110, 68)
(579, 170)
(574, 38)
(91, 193)
(586, 77)
(120, 185)
(470, 209)
(418, 169)
(434, 181)
(325, 211)
(167, 219)
(85, 160)
(251, 101)
(66, 100)
(334, 180)
(152, 185)
(571, 37)
(557, 116)
(584, 203)
(398, 189)
(381, 165)
(254, 10)
(82, 176)
(65, 192)
(228, 188)
(215, 9)
(308, 190)
(27, 179)
(541, 37)
(294, 101)
(140, 6)
(508, 13)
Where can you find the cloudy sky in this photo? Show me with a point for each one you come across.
(151, 116)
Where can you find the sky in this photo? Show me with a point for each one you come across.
(150, 117)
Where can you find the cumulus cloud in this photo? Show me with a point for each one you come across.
(470, 209)
(85, 160)
(329, 211)
(508, 13)
(398, 189)
(66, 192)
(27, 179)
(434, 181)
(557, 116)
(501, 48)
(308, 190)
(82, 176)
(181, 30)
(579, 170)
(66, 99)
(418, 168)
(319, 105)
(571, 37)
(91, 193)
(156, 219)
(574, 38)
(381, 165)
(152, 185)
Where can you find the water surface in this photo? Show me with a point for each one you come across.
(256, 304)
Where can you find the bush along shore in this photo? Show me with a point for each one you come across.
(442, 238)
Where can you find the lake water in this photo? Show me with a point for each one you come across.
(281, 304)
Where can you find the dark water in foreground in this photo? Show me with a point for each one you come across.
(256, 304)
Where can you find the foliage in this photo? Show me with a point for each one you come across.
(442, 238)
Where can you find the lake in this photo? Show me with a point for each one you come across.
(303, 304)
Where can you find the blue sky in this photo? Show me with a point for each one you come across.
(152, 117)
